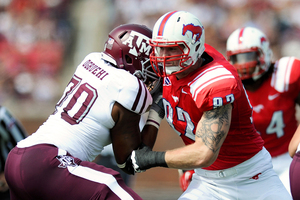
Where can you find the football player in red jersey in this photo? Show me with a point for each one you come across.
(206, 104)
(294, 151)
(102, 104)
(273, 89)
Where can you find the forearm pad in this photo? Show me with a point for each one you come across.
(153, 119)
(159, 108)
(146, 159)
(154, 159)
(158, 105)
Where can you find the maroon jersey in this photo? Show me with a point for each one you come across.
(274, 105)
(212, 85)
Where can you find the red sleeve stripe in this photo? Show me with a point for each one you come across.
(163, 23)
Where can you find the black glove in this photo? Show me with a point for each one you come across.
(144, 158)
(128, 168)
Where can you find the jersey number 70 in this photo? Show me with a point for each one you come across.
(80, 98)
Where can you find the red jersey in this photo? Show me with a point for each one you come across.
(214, 84)
(274, 105)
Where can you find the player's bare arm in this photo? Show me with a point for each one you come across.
(125, 135)
(156, 114)
(214, 126)
(211, 132)
(149, 135)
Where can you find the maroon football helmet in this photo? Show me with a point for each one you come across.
(128, 45)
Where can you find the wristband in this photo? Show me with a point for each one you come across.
(160, 159)
(127, 166)
(153, 119)
(121, 166)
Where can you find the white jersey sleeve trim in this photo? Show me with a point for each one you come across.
(134, 95)
(208, 77)
(281, 78)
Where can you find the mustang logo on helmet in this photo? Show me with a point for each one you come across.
(196, 30)
(263, 39)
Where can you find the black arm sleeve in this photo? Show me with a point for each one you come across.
(11, 132)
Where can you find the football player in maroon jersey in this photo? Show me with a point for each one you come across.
(102, 104)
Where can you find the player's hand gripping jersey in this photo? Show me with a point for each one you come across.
(273, 105)
(214, 84)
(83, 113)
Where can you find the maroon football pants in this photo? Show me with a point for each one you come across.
(40, 172)
(295, 176)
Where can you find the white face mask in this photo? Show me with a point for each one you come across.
(170, 70)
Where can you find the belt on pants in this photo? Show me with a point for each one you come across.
(216, 173)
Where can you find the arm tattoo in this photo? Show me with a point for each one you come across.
(214, 126)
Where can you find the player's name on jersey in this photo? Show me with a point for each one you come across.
(94, 69)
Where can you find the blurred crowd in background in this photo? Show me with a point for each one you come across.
(279, 19)
(42, 40)
(34, 39)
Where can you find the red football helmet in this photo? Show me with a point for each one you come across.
(129, 47)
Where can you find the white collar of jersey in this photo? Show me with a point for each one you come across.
(108, 58)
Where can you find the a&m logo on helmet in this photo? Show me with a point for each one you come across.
(195, 30)
(138, 44)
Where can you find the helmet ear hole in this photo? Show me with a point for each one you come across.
(197, 47)
(128, 59)
(122, 35)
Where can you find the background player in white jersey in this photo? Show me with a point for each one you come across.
(102, 104)
(11, 132)
(205, 103)
(294, 151)
(273, 89)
